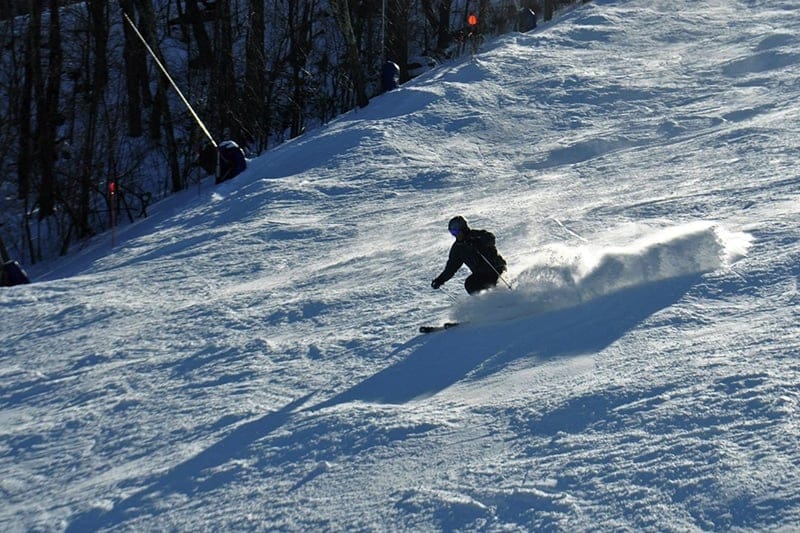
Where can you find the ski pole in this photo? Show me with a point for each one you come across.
(499, 275)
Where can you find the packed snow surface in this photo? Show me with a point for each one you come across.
(247, 357)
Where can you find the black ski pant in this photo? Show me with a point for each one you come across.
(478, 282)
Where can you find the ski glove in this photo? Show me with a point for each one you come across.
(435, 284)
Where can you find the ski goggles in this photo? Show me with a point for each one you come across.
(455, 232)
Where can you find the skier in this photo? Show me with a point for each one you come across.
(474, 248)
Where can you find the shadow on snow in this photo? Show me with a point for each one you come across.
(474, 351)
(438, 361)
(191, 476)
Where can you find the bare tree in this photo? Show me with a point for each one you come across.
(549, 7)
(341, 13)
(300, 42)
(397, 17)
(224, 100)
(95, 95)
(196, 17)
(437, 13)
(136, 79)
(47, 117)
(255, 73)
(97, 28)
(31, 85)
(161, 112)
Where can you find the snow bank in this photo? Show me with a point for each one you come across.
(561, 276)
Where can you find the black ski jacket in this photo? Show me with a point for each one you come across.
(468, 252)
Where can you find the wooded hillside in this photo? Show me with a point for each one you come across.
(82, 104)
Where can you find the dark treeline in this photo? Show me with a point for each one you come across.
(82, 104)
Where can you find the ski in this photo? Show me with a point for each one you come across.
(431, 329)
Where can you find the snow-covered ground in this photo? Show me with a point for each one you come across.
(247, 358)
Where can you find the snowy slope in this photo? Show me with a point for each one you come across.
(247, 358)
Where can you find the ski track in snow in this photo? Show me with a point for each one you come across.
(246, 357)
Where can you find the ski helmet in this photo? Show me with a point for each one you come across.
(457, 224)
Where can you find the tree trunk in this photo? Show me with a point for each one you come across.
(30, 86)
(341, 12)
(147, 27)
(47, 117)
(98, 29)
(438, 17)
(549, 7)
(299, 50)
(205, 57)
(161, 108)
(255, 69)
(98, 24)
(172, 145)
(443, 35)
(3, 252)
(398, 13)
(223, 81)
(135, 69)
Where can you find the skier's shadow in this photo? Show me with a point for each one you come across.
(471, 351)
(435, 362)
